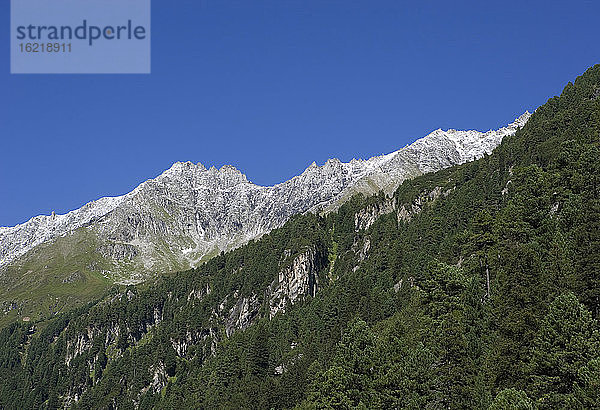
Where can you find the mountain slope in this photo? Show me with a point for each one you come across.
(473, 286)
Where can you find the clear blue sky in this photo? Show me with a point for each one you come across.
(270, 86)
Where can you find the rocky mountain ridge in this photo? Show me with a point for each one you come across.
(190, 213)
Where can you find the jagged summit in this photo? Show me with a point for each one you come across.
(189, 212)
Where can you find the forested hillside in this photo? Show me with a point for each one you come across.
(474, 287)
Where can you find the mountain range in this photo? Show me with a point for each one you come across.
(189, 213)
(476, 286)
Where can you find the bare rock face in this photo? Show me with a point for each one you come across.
(367, 216)
(296, 280)
(242, 314)
(189, 213)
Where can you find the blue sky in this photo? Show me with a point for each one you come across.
(270, 86)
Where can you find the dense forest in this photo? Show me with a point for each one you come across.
(474, 287)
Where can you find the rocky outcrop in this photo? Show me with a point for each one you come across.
(407, 211)
(296, 280)
(368, 215)
(361, 248)
(242, 314)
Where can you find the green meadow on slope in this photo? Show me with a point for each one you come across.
(477, 288)
(52, 279)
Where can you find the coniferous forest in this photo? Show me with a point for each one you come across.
(477, 287)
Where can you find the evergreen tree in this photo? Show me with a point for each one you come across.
(566, 349)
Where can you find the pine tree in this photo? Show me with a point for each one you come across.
(567, 342)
